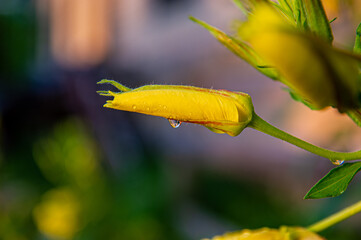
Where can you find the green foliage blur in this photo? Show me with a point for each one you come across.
(58, 187)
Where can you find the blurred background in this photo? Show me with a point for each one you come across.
(71, 169)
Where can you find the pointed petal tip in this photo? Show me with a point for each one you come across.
(119, 86)
(108, 104)
(103, 81)
(191, 18)
(104, 93)
(194, 19)
(203, 24)
(112, 93)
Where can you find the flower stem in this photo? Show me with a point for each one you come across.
(336, 218)
(261, 125)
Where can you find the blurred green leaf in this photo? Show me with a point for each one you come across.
(241, 201)
(18, 44)
(335, 182)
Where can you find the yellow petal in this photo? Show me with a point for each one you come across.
(219, 110)
(284, 233)
(320, 74)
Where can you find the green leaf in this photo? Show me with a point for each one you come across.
(335, 182)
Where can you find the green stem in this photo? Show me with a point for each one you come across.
(336, 218)
(261, 125)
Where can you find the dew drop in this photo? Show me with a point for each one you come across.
(337, 162)
(148, 108)
(174, 123)
(134, 107)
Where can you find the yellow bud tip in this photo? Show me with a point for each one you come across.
(219, 110)
(119, 86)
(283, 233)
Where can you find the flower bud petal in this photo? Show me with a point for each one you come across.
(320, 74)
(219, 110)
(284, 233)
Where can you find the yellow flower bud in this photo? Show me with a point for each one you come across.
(320, 74)
(219, 110)
(284, 233)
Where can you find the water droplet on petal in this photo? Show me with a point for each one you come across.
(337, 162)
(134, 107)
(174, 123)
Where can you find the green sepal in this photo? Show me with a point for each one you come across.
(247, 6)
(283, 9)
(317, 20)
(103, 93)
(286, 5)
(335, 182)
(300, 15)
(355, 115)
(119, 86)
(357, 46)
(334, 19)
(298, 98)
(240, 48)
